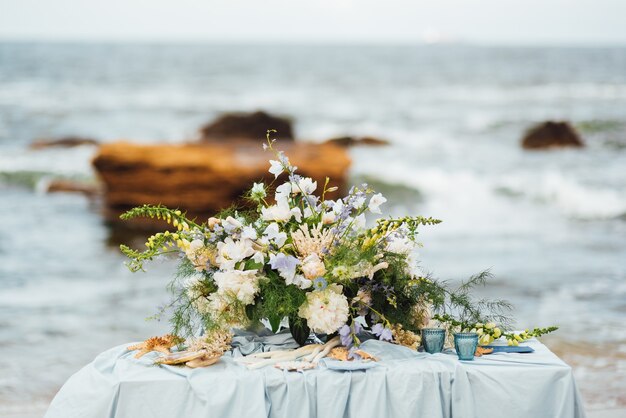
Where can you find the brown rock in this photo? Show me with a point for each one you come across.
(64, 142)
(351, 141)
(246, 126)
(551, 135)
(203, 179)
(69, 186)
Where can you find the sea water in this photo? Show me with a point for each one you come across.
(550, 225)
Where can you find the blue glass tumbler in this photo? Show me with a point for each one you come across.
(433, 339)
(465, 344)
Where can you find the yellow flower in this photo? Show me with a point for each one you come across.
(490, 325)
(484, 340)
(497, 333)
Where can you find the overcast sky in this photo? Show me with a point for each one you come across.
(481, 21)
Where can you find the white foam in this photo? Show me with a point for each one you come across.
(570, 196)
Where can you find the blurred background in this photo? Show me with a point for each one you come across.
(452, 88)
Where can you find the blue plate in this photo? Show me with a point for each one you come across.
(510, 348)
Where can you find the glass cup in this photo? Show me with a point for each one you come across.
(465, 344)
(433, 339)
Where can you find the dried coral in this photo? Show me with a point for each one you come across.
(215, 343)
(482, 350)
(365, 356)
(343, 354)
(315, 240)
(405, 338)
(161, 344)
(339, 353)
(201, 352)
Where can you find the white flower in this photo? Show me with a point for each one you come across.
(243, 285)
(306, 185)
(272, 232)
(297, 214)
(338, 206)
(283, 191)
(301, 282)
(258, 191)
(312, 267)
(326, 310)
(248, 233)
(400, 245)
(359, 222)
(278, 212)
(328, 218)
(276, 167)
(195, 245)
(231, 252)
(231, 224)
(259, 257)
(198, 254)
(285, 265)
(375, 202)
(307, 212)
(358, 202)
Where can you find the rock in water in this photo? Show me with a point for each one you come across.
(552, 135)
(202, 179)
(64, 142)
(246, 126)
(350, 141)
(70, 186)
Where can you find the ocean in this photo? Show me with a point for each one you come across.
(551, 225)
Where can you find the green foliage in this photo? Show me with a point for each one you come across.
(155, 248)
(156, 244)
(386, 226)
(491, 330)
(277, 301)
(467, 310)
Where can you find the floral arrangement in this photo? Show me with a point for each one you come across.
(312, 261)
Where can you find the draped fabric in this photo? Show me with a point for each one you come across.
(405, 383)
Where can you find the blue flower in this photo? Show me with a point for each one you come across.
(285, 264)
(320, 283)
(345, 333)
(383, 333)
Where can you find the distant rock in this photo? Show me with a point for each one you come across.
(552, 134)
(248, 126)
(69, 186)
(351, 141)
(204, 178)
(63, 142)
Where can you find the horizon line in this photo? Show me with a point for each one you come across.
(316, 42)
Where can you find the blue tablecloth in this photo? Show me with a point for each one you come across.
(405, 384)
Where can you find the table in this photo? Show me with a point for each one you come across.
(404, 384)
